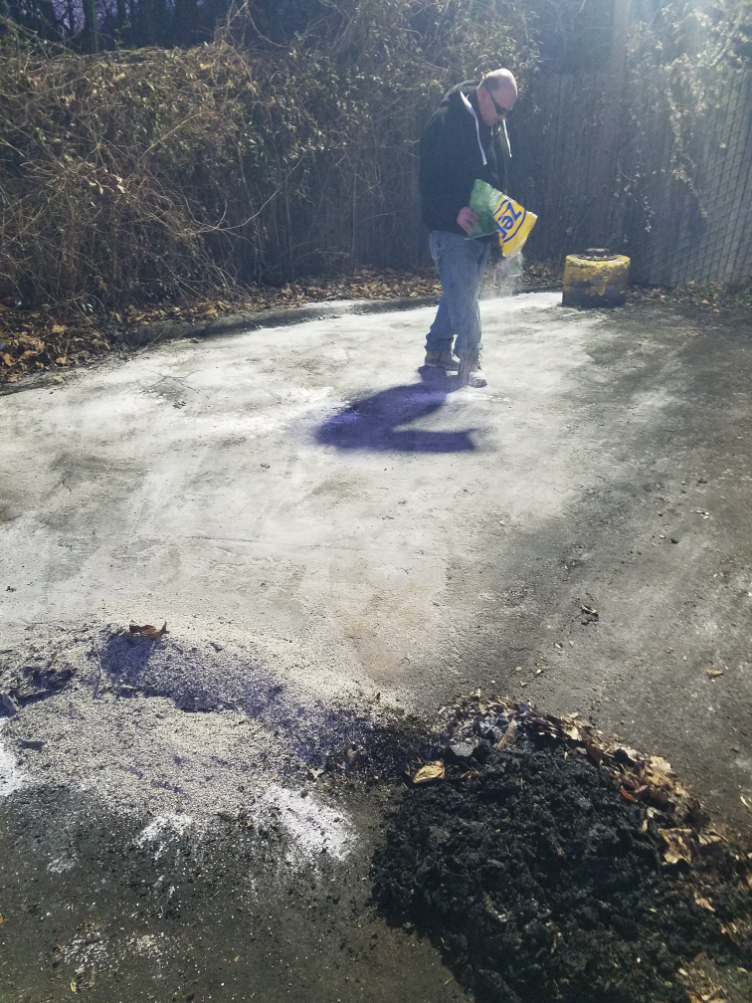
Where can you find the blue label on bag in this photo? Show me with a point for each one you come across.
(509, 218)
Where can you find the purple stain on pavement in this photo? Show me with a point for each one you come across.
(374, 422)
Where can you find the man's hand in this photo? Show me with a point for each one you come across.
(467, 218)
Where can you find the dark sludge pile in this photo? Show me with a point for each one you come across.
(558, 869)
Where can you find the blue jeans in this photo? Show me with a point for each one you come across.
(461, 263)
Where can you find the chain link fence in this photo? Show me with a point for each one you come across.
(675, 232)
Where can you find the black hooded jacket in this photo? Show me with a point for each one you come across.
(456, 148)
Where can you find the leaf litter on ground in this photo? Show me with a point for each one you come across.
(62, 336)
(149, 630)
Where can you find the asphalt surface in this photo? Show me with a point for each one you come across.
(333, 537)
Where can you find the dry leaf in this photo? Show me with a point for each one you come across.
(430, 773)
(509, 735)
(714, 673)
(677, 847)
(148, 630)
(657, 763)
(710, 837)
(59, 328)
(571, 731)
(703, 902)
(734, 932)
(73, 986)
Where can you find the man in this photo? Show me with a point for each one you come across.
(465, 139)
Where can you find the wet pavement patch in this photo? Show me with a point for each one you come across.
(559, 869)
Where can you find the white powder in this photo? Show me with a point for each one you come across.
(59, 865)
(11, 778)
(313, 827)
(162, 829)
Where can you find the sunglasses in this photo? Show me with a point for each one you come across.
(499, 110)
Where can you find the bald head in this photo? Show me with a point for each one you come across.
(497, 90)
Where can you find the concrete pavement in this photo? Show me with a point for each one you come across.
(324, 528)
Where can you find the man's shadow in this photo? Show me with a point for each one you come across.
(374, 422)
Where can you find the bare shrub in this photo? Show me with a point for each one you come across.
(133, 176)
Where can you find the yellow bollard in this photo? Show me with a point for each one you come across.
(595, 278)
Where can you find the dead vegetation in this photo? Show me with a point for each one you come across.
(134, 177)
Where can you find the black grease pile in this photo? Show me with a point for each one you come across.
(540, 883)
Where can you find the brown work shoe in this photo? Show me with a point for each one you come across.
(443, 360)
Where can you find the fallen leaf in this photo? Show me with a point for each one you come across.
(734, 932)
(595, 752)
(571, 730)
(703, 902)
(710, 837)
(509, 735)
(59, 328)
(148, 630)
(430, 773)
(236, 959)
(658, 765)
(714, 673)
(625, 755)
(73, 986)
(676, 846)
(627, 796)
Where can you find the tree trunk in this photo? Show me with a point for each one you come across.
(121, 15)
(91, 26)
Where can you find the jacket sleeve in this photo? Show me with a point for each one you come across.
(442, 184)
